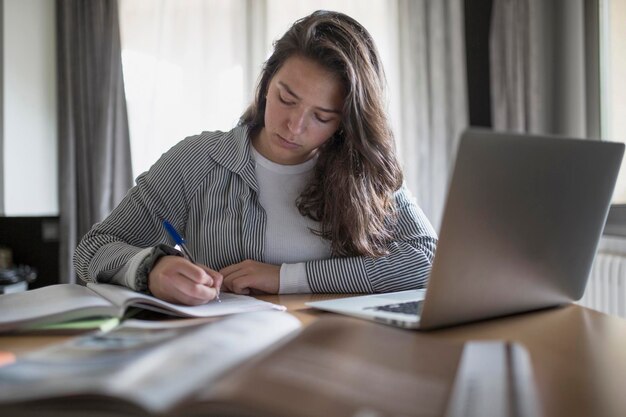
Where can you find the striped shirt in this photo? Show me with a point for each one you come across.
(207, 188)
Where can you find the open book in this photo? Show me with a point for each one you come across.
(135, 370)
(65, 302)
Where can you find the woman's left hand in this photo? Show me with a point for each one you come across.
(251, 277)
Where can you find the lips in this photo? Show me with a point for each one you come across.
(286, 143)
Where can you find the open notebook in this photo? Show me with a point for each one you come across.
(65, 302)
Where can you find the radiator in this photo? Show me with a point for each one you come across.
(606, 288)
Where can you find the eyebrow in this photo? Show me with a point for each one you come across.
(290, 91)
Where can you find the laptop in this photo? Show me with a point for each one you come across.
(522, 221)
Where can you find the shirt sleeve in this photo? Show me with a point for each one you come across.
(407, 266)
(293, 279)
(110, 250)
(127, 275)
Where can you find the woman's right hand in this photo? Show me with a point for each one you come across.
(177, 280)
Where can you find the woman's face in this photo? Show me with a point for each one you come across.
(303, 110)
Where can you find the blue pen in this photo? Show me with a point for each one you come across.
(181, 243)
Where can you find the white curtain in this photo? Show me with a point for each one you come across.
(186, 70)
(434, 96)
(192, 65)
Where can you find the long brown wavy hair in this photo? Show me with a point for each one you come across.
(357, 171)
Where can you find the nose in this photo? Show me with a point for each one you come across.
(296, 123)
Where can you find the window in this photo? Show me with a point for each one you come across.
(613, 99)
(192, 66)
(183, 71)
(613, 90)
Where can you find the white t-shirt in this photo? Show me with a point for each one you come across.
(289, 241)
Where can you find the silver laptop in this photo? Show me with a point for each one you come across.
(522, 222)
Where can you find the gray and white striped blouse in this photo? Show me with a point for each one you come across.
(207, 188)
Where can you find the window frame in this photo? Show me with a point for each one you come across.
(616, 221)
(595, 14)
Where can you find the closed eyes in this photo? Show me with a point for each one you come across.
(288, 102)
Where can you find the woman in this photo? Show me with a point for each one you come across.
(305, 195)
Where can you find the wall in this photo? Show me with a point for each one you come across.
(29, 130)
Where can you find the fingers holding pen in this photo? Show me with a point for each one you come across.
(216, 277)
(177, 280)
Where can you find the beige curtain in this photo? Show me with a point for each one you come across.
(94, 147)
(434, 96)
(544, 67)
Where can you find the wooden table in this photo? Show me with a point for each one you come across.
(578, 355)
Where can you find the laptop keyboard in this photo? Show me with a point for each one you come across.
(409, 307)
